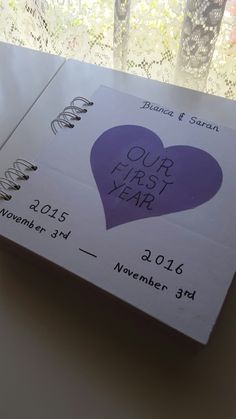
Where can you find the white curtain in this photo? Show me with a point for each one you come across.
(190, 43)
(200, 30)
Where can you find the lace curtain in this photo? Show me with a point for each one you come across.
(189, 43)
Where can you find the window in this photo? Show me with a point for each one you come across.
(189, 43)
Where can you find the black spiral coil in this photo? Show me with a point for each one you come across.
(13, 176)
(70, 114)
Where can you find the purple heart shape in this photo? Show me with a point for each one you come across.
(138, 178)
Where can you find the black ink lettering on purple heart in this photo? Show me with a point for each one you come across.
(138, 178)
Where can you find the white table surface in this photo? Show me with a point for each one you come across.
(24, 73)
(68, 351)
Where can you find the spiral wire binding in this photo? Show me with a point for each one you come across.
(70, 113)
(13, 175)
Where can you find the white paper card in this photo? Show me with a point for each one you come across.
(139, 200)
